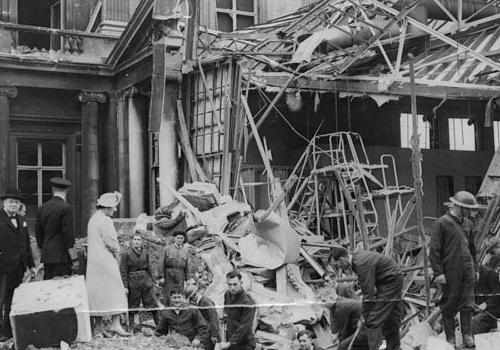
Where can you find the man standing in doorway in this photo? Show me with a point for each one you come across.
(452, 255)
(15, 254)
(54, 231)
(381, 283)
(239, 309)
(173, 267)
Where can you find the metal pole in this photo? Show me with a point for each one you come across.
(417, 180)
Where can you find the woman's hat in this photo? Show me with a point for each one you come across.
(109, 200)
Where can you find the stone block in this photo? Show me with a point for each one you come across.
(47, 312)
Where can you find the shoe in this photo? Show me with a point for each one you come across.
(119, 331)
(466, 327)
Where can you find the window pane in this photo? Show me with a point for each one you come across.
(46, 175)
(52, 153)
(244, 21)
(423, 130)
(225, 4)
(224, 22)
(462, 135)
(244, 5)
(28, 183)
(27, 153)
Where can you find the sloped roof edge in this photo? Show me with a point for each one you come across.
(144, 10)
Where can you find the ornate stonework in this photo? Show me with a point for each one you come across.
(92, 96)
(9, 91)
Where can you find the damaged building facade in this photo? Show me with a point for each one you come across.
(94, 89)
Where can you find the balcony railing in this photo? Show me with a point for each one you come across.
(20, 38)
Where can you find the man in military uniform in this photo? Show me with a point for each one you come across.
(15, 254)
(173, 268)
(381, 285)
(138, 278)
(54, 231)
(452, 255)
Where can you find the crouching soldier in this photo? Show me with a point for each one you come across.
(488, 299)
(183, 319)
(381, 285)
(138, 278)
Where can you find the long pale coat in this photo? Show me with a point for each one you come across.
(104, 284)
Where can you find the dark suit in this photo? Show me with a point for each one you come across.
(54, 236)
(15, 257)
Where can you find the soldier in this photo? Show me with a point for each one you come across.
(305, 338)
(173, 267)
(138, 278)
(452, 255)
(381, 285)
(54, 231)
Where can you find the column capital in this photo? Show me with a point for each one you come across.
(92, 96)
(9, 91)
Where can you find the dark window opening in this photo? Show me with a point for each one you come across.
(39, 13)
(444, 190)
(473, 183)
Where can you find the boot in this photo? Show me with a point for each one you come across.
(466, 327)
(374, 336)
(449, 328)
(393, 341)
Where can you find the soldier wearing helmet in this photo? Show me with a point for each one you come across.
(452, 255)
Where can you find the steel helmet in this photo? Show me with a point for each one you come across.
(464, 199)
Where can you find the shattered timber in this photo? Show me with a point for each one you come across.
(345, 123)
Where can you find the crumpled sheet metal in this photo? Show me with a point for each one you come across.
(275, 243)
(273, 309)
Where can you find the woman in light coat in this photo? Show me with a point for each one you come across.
(105, 288)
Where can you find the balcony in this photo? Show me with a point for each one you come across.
(54, 44)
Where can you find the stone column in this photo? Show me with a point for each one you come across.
(6, 92)
(90, 151)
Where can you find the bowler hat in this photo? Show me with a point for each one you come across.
(12, 193)
(60, 182)
(109, 200)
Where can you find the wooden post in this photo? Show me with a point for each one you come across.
(416, 162)
(90, 151)
(6, 92)
(362, 223)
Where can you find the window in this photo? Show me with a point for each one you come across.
(407, 130)
(462, 135)
(473, 183)
(37, 162)
(496, 133)
(235, 14)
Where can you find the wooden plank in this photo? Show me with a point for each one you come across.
(281, 280)
(195, 169)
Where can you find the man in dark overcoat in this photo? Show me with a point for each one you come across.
(54, 231)
(452, 255)
(15, 254)
(381, 284)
